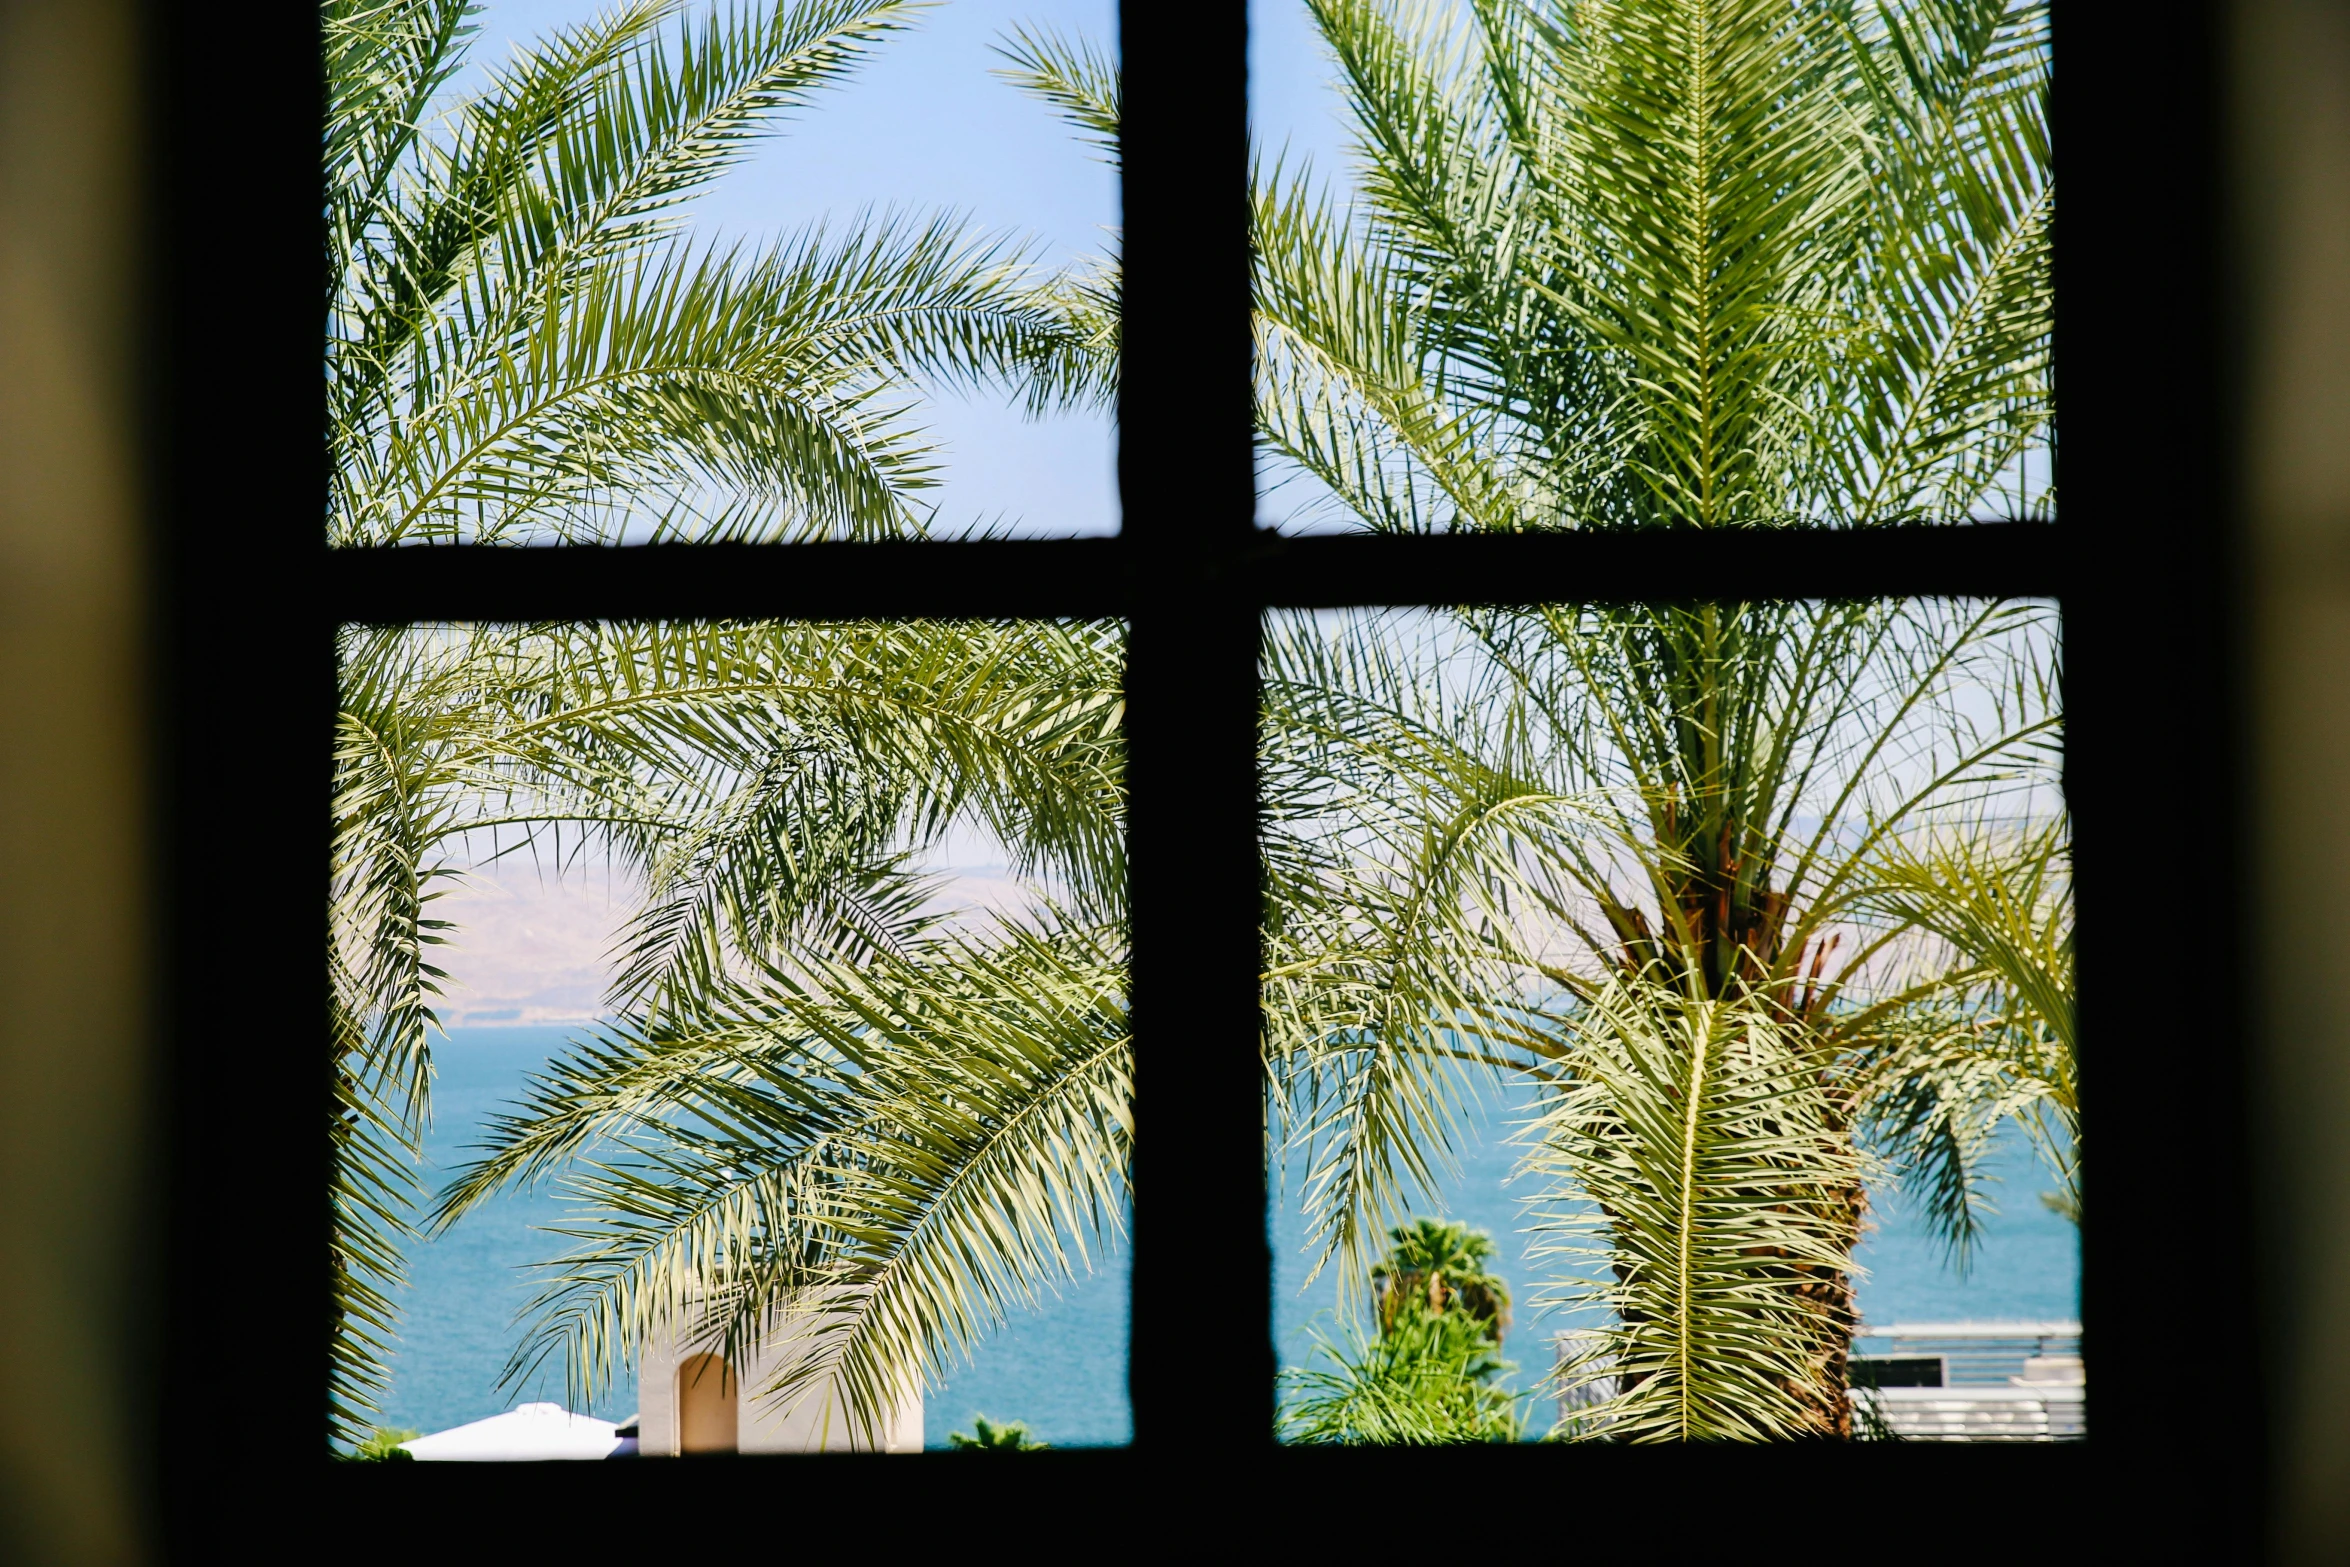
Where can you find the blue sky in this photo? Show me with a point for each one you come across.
(924, 126)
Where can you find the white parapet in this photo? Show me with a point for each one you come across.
(2053, 1328)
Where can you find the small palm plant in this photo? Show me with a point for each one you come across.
(383, 1446)
(1427, 1376)
(985, 1436)
(1433, 1267)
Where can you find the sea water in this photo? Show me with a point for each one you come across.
(1061, 1369)
(462, 1308)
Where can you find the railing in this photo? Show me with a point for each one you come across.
(1962, 1381)
(1976, 1354)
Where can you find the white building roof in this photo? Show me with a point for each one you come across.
(533, 1432)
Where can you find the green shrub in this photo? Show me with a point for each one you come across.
(1427, 1377)
(988, 1437)
(383, 1446)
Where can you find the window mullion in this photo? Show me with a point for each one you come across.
(1201, 1352)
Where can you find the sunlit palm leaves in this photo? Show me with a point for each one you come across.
(525, 345)
(1080, 81)
(762, 782)
(1716, 262)
(1660, 263)
(1681, 263)
(2003, 901)
(883, 1159)
(799, 769)
(1395, 829)
(820, 1115)
(1424, 1382)
(1707, 1166)
(1471, 818)
(1427, 1377)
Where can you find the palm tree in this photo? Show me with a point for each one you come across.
(1658, 263)
(526, 346)
(1427, 1376)
(986, 1436)
(1468, 882)
(1434, 1267)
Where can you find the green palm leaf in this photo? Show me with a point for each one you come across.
(881, 1160)
(1713, 1179)
(2004, 902)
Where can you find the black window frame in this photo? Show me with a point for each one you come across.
(248, 597)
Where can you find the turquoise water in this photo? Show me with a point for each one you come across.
(466, 1288)
(1062, 1370)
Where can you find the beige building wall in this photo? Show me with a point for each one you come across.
(814, 1421)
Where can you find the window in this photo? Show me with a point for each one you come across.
(250, 681)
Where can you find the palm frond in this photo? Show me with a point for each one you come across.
(1395, 839)
(1079, 80)
(1075, 75)
(2004, 901)
(879, 1162)
(1704, 1190)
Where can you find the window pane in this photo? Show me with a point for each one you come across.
(771, 271)
(731, 1032)
(1524, 265)
(1670, 1023)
